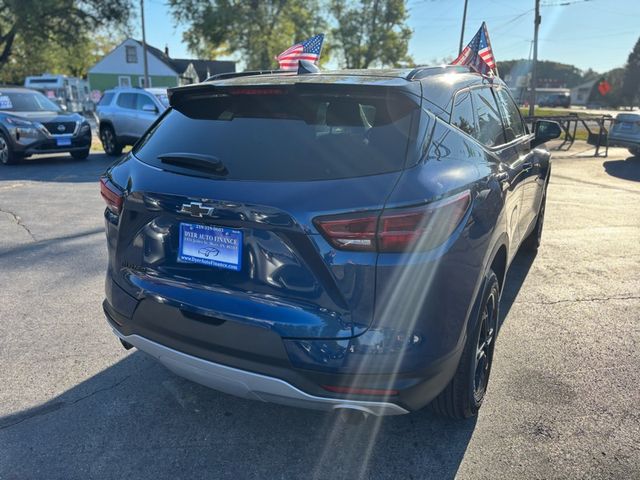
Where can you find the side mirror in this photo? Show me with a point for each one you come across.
(147, 107)
(546, 130)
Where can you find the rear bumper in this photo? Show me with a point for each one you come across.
(250, 385)
(253, 363)
(626, 142)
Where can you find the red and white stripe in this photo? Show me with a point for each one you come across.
(487, 56)
(288, 59)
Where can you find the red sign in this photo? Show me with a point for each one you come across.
(604, 87)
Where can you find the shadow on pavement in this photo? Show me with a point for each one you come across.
(58, 168)
(516, 275)
(628, 169)
(137, 419)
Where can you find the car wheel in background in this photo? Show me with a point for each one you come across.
(635, 151)
(110, 141)
(463, 397)
(532, 242)
(7, 157)
(81, 154)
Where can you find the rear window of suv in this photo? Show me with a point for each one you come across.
(288, 137)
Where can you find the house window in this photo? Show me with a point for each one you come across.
(132, 54)
(124, 81)
(141, 82)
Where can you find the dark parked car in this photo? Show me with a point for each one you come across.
(364, 222)
(30, 123)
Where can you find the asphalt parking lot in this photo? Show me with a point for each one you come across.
(562, 403)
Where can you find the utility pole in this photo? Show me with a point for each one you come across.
(144, 47)
(464, 20)
(534, 67)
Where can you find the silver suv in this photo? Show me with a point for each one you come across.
(125, 114)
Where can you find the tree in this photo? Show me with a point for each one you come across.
(372, 32)
(36, 56)
(33, 24)
(256, 29)
(631, 81)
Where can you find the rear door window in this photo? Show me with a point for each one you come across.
(512, 120)
(462, 114)
(290, 137)
(127, 100)
(143, 100)
(490, 131)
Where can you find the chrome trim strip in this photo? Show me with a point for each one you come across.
(250, 385)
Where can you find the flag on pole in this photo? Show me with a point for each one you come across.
(308, 50)
(478, 54)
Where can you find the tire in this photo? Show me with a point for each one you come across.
(464, 395)
(533, 241)
(635, 151)
(110, 142)
(7, 156)
(80, 154)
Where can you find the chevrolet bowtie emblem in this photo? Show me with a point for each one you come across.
(196, 209)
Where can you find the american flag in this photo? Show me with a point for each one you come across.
(307, 50)
(478, 53)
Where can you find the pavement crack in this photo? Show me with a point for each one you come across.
(580, 300)
(18, 220)
(54, 407)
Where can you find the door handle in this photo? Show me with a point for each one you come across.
(526, 166)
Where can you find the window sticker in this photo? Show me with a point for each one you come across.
(5, 102)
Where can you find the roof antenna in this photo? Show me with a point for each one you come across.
(305, 67)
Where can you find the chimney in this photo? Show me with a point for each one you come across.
(166, 49)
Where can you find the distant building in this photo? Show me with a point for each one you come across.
(580, 93)
(124, 67)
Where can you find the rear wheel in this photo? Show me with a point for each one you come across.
(7, 156)
(533, 241)
(110, 141)
(464, 395)
(80, 154)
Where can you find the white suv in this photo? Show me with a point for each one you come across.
(125, 114)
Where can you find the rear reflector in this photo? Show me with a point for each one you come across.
(111, 195)
(396, 230)
(359, 391)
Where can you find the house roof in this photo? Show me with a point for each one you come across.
(204, 68)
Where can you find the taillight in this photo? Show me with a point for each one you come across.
(396, 230)
(111, 195)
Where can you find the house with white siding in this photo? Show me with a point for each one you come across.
(124, 67)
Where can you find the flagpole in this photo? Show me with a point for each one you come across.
(464, 19)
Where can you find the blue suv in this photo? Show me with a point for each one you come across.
(334, 240)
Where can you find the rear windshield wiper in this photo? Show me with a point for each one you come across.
(195, 161)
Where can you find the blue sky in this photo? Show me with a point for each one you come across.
(593, 33)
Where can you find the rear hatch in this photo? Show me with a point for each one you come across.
(223, 191)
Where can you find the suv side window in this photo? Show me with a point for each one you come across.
(513, 124)
(127, 100)
(490, 131)
(143, 100)
(462, 113)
